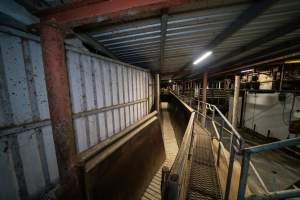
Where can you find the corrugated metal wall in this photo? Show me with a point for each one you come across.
(106, 95)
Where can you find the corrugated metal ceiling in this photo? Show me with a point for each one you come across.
(189, 32)
(190, 28)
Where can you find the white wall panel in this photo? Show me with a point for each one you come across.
(265, 112)
(23, 104)
(97, 85)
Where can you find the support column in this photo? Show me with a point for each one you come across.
(52, 40)
(157, 93)
(235, 101)
(204, 88)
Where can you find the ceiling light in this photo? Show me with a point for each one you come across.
(170, 81)
(248, 70)
(292, 61)
(202, 57)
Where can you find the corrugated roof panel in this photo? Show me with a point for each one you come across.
(189, 32)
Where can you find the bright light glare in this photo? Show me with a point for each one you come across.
(292, 61)
(202, 57)
(248, 70)
(170, 81)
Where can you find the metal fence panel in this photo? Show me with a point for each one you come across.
(106, 97)
(23, 102)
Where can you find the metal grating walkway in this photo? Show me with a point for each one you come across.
(203, 183)
(171, 148)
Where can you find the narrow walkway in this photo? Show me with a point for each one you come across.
(171, 147)
(203, 183)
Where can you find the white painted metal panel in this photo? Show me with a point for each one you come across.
(126, 83)
(28, 148)
(24, 99)
(110, 123)
(50, 154)
(16, 81)
(107, 83)
(265, 112)
(39, 79)
(120, 85)
(114, 87)
(95, 83)
(8, 188)
(98, 82)
(102, 126)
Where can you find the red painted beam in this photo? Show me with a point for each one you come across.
(52, 39)
(80, 12)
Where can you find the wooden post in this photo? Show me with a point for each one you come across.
(157, 93)
(52, 40)
(204, 87)
(235, 100)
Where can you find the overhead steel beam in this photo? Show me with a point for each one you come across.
(247, 16)
(278, 32)
(231, 56)
(7, 20)
(164, 26)
(89, 11)
(255, 57)
(33, 5)
(93, 43)
(271, 59)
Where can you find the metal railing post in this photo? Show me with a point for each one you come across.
(198, 109)
(230, 168)
(164, 180)
(172, 188)
(219, 146)
(244, 175)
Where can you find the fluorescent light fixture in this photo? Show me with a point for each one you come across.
(202, 57)
(292, 61)
(248, 70)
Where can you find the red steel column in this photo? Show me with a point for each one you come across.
(52, 39)
(204, 87)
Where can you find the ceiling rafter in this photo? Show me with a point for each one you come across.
(79, 13)
(164, 27)
(253, 11)
(93, 43)
(276, 33)
(267, 52)
(288, 54)
(283, 50)
(289, 27)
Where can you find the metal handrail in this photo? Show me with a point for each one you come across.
(178, 172)
(246, 156)
(236, 141)
(175, 179)
(245, 152)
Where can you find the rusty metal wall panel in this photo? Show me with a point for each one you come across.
(104, 101)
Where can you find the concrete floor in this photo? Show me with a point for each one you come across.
(171, 148)
(279, 169)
